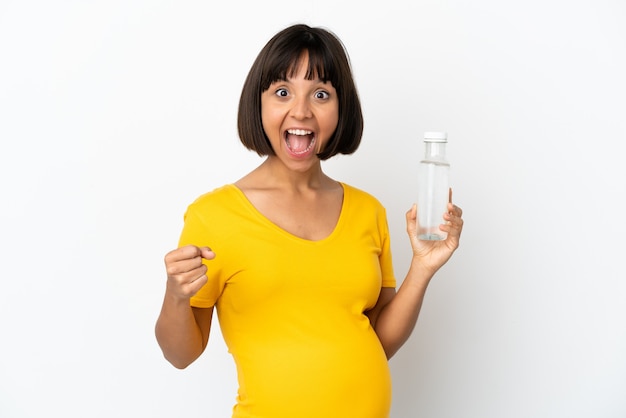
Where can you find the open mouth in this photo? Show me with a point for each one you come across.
(299, 141)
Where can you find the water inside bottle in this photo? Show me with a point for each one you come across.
(432, 201)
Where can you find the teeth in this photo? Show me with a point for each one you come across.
(299, 132)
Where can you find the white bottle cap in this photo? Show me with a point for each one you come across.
(435, 136)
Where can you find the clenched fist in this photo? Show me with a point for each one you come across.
(186, 273)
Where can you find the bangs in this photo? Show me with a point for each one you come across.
(286, 65)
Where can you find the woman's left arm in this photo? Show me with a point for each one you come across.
(395, 314)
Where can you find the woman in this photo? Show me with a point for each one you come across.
(298, 265)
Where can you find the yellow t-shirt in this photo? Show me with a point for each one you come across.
(292, 310)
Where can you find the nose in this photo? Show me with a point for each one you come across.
(301, 108)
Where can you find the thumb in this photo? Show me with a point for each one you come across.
(207, 253)
(411, 221)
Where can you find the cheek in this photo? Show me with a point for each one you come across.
(267, 114)
(331, 122)
(328, 127)
(268, 120)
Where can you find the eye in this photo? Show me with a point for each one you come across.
(282, 92)
(321, 94)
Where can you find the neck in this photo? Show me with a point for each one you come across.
(277, 174)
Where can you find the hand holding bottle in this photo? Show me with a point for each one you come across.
(433, 254)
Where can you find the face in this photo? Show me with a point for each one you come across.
(299, 117)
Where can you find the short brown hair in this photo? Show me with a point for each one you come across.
(328, 60)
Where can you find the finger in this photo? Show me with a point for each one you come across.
(453, 215)
(192, 287)
(411, 218)
(453, 226)
(182, 253)
(184, 266)
(192, 251)
(188, 284)
(412, 213)
(454, 210)
(412, 225)
(207, 253)
(188, 252)
(197, 284)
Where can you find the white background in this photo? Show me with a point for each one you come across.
(115, 115)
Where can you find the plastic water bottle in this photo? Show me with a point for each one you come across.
(433, 189)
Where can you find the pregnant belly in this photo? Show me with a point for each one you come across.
(343, 376)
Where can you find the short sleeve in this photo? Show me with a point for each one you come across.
(386, 262)
(196, 232)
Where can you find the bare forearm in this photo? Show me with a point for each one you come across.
(397, 319)
(395, 314)
(178, 333)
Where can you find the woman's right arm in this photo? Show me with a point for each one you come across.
(181, 330)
